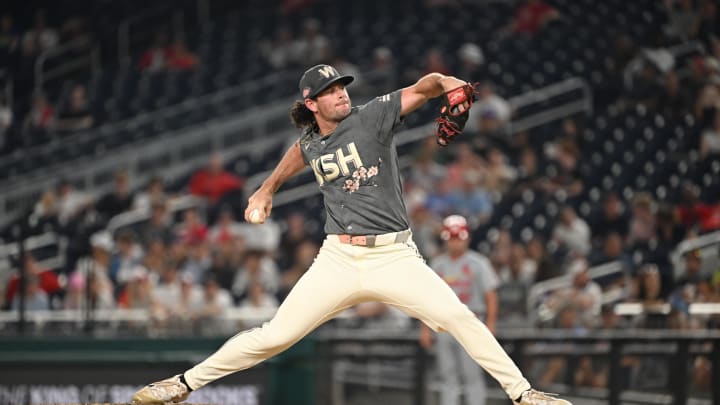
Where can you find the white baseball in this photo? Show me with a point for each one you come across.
(255, 216)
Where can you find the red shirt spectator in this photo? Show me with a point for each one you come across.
(178, 57)
(532, 16)
(213, 182)
(48, 280)
(705, 215)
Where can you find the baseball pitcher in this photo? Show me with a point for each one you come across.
(368, 254)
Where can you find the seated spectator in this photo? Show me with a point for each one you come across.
(546, 266)
(383, 75)
(214, 182)
(40, 36)
(278, 53)
(41, 117)
(425, 170)
(532, 16)
(257, 267)
(159, 227)
(178, 57)
(675, 101)
(166, 292)
(612, 218)
(71, 203)
(696, 214)
(137, 293)
(498, 174)
(95, 270)
(154, 59)
(435, 61)
(691, 287)
(35, 299)
(44, 217)
(471, 59)
(156, 254)
(117, 201)
(295, 235)
(649, 293)
(197, 262)
(465, 161)
(46, 280)
(528, 172)
(563, 175)
(612, 250)
(304, 256)
(227, 229)
(155, 191)
(192, 230)
(441, 201)
(520, 267)
(127, 257)
(642, 222)
(209, 312)
(584, 296)
(472, 200)
(9, 40)
(76, 115)
(490, 115)
(226, 260)
(683, 18)
(312, 47)
(572, 233)
(710, 138)
(259, 299)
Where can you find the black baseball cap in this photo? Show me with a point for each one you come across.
(320, 77)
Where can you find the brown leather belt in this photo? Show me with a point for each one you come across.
(374, 240)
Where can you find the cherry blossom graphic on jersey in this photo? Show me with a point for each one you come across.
(362, 176)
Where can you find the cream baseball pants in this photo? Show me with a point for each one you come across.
(344, 275)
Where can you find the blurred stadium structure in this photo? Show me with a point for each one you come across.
(590, 174)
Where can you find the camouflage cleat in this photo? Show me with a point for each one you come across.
(161, 392)
(532, 397)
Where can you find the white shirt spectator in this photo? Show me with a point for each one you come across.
(574, 234)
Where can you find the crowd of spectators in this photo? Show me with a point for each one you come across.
(187, 268)
(209, 260)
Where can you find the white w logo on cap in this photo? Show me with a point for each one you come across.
(327, 71)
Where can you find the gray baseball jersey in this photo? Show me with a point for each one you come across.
(470, 276)
(357, 170)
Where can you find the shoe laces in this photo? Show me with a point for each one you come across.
(540, 398)
(167, 390)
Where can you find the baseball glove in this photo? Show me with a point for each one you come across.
(452, 120)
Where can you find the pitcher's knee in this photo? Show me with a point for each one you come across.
(272, 340)
(454, 316)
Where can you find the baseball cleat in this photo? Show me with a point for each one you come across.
(532, 397)
(161, 392)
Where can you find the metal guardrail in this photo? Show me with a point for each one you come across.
(90, 59)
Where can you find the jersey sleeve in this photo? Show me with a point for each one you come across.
(381, 115)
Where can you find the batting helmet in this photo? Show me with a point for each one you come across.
(455, 226)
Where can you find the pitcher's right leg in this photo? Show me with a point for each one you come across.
(325, 290)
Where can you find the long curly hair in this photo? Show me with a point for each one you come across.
(301, 116)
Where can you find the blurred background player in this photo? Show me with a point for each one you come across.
(473, 279)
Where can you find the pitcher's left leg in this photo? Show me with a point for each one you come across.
(406, 282)
(474, 386)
